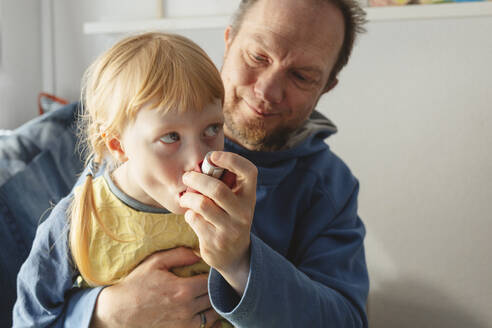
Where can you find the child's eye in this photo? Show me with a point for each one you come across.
(170, 138)
(212, 130)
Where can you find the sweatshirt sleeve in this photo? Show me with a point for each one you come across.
(326, 284)
(45, 293)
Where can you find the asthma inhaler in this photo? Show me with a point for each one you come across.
(210, 169)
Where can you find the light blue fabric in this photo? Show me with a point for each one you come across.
(38, 166)
(45, 293)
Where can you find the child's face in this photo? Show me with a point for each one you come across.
(158, 148)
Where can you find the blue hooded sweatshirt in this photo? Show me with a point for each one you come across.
(308, 265)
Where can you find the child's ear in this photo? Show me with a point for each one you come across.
(116, 149)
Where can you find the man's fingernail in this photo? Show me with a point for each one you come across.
(215, 156)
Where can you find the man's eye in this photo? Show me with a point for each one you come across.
(300, 77)
(212, 130)
(170, 138)
(258, 58)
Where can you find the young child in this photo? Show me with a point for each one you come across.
(152, 110)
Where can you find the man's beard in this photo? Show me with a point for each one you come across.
(253, 133)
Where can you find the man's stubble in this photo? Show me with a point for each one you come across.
(253, 134)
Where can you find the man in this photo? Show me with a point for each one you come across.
(297, 259)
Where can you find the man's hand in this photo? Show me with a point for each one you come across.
(152, 296)
(222, 217)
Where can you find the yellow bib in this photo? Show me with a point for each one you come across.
(140, 234)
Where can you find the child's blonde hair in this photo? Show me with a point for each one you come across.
(164, 70)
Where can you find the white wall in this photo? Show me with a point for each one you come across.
(20, 62)
(74, 51)
(413, 109)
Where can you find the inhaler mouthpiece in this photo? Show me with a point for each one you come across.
(210, 169)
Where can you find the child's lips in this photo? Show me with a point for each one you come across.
(188, 189)
(198, 168)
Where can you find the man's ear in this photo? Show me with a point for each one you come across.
(116, 149)
(228, 37)
(330, 85)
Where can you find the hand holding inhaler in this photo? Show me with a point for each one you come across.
(221, 213)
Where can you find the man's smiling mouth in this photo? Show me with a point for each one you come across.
(261, 112)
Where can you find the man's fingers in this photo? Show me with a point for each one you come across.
(176, 257)
(210, 318)
(244, 171)
(233, 162)
(240, 166)
(201, 209)
(198, 285)
(217, 192)
(201, 303)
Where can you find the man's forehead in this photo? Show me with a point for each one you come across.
(271, 39)
(313, 12)
(295, 23)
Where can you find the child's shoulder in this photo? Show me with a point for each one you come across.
(57, 220)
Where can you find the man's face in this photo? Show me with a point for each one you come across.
(276, 67)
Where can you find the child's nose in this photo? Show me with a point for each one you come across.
(198, 167)
(193, 157)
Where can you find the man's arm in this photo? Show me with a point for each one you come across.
(326, 287)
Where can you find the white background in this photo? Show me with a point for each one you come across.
(414, 109)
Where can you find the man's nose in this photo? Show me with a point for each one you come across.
(269, 86)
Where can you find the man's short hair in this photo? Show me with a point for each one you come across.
(353, 15)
